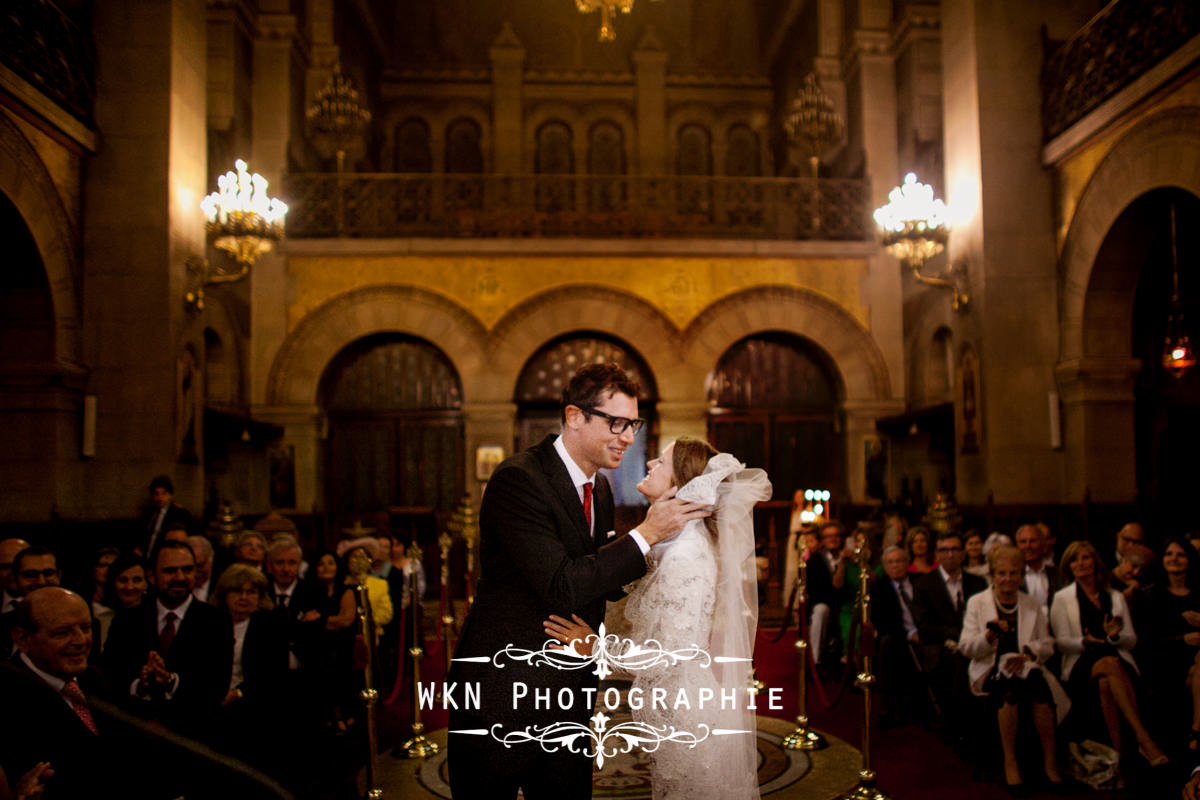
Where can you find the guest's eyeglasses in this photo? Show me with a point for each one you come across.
(617, 425)
(949, 549)
(34, 574)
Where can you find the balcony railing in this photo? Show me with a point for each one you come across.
(427, 205)
(1116, 46)
(42, 45)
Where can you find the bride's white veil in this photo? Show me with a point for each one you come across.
(733, 490)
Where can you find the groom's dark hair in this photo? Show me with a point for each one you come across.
(595, 383)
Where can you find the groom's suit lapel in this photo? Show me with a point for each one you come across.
(564, 490)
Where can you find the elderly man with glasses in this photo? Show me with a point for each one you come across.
(545, 549)
(939, 600)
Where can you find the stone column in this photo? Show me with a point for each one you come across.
(860, 416)
(650, 74)
(141, 222)
(1098, 435)
(508, 65)
(302, 429)
(486, 424)
(271, 131)
(1001, 200)
(871, 97)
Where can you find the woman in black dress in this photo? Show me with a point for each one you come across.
(1094, 631)
(1171, 610)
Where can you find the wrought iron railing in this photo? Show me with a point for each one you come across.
(391, 205)
(42, 45)
(1116, 46)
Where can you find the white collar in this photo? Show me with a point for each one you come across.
(946, 576)
(178, 611)
(578, 476)
(52, 681)
(289, 591)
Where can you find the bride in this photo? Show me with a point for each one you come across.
(700, 590)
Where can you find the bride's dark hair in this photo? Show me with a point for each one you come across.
(688, 460)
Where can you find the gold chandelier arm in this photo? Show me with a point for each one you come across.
(948, 281)
(220, 276)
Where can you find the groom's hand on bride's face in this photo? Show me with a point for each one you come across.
(668, 515)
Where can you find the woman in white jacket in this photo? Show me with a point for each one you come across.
(1095, 634)
(1006, 637)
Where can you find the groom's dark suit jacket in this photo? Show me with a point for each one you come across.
(537, 558)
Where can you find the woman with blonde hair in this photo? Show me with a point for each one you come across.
(1095, 634)
(699, 590)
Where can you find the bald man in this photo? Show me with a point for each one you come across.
(46, 692)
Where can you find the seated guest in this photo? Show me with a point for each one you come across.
(8, 581)
(1095, 634)
(172, 657)
(46, 690)
(1131, 533)
(127, 583)
(94, 589)
(259, 661)
(1007, 639)
(359, 554)
(976, 560)
(920, 551)
(1170, 623)
(250, 549)
(827, 590)
(296, 603)
(202, 549)
(327, 656)
(1130, 574)
(32, 568)
(896, 631)
(939, 601)
(1041, 582)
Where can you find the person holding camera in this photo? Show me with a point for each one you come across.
(1006, 637)
(1095, 634)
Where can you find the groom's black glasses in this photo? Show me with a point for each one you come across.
(617, 425)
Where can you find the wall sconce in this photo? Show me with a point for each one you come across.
(913, 227)
(243, 222)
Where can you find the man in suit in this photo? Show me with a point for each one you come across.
(295, 602)
(1041, 580)
(46, 691)
(896, 635)
(939, 600)
(32, 568)
(172, 657)
(826, 592)
(161, 515)
(544, 550)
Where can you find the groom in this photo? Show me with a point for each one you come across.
(544, 550)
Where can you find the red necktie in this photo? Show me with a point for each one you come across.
(78, 703)
(587, 504)
(168, 633)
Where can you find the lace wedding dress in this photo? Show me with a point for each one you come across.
(686, 588)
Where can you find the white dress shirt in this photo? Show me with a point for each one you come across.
(579, 478)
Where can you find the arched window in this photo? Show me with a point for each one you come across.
(395, 426)
(693, 157)
(773, 403)
(412, 147)
(606, 158)
(554, 156)
(549, 370)
(741, 153)
(464, 159)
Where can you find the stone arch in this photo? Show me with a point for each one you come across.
(296, 371)
(1161, 151)
(27, 183)
(528, 326)
(860, 364)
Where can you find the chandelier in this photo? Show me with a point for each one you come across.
(335, 118)
(814, 121)
(914, 227)
(243, 222)
(1178, 356)
(607, 9)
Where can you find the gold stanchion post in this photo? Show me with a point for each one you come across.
(866, 788)
(418, 746)
(803, 737)
(369, 693)
(444, 543)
